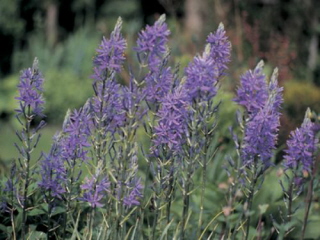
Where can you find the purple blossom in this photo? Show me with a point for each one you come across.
(152, 43)
(253, 92)
(108, 106)
(202, 77)
(53, 172)
(132, 96)
(95, 190)
(135, 194)
(172, 122)
(110, 54)
(260, 136)
(263, 116)
(158, 84)
(301, 147)
(74, 142)
(220, 49)
(30, 89)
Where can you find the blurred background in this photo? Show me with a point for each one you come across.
(64, 34)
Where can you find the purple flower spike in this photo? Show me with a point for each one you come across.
(301, 146)
(135, 194)
(30, 89)
(53, 173)
(110, 101)
(75, 142)
(253, 92)
(263, 103)
(110, 54)
(158, 84)
(260, 136)
(220, 48)
(202, 77)
(94, 191)
(172, 123)
(152, 43)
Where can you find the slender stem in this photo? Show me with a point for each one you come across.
(290, 200)
(185, 203)
(250, 198)
(93, 210)
(27, 169)
(49, 215)
(68, 197)
(158, 203)
(12, 218)
(308, 200)
(204, 177)
(99, 144)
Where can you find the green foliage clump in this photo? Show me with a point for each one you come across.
(298, 96)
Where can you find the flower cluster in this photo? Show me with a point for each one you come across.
(135, 194)
(202, 77)
(204, 71)
(30, 89)
(253, 92)
(158, 84)
(152, 43)
(172, 123)
(108, 105)
(220, 49)
(76, 131)
(301, 147)
(95, 190)
(262, 102)
(110, 54)
(53, 172)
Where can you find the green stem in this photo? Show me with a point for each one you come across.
(250, 199)
(185, 203)
(308, 200)
(27, 169)
(91, 222)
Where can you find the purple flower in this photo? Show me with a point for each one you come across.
(202, 77)
(53, 172)
(220, 49)
(158, 84)
(95, 190)
(135, 194)
(260, 136)
(152, 43)
(172, 122)
(263, 120)
(301, 147)
(253, 92)
(108, 106)
(132, 96)
(110, 54)
(30, 89)
(74, 142)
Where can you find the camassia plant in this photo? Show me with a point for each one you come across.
(136, 161)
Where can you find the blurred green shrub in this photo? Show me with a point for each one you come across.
(298, 96)
(74, 54)
(63, 90)
(8, 91)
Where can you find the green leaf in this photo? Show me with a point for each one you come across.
(36, 211)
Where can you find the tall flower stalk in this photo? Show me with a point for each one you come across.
(299, 160)
(30, 107)
(260, 133)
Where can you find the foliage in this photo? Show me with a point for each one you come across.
(298, 96)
